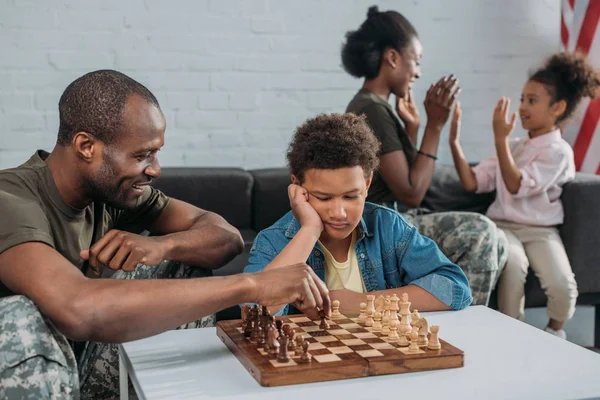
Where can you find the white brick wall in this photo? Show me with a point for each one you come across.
(235, 78)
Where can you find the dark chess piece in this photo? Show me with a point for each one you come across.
(291, 343)
(262, 337)
(279, 325)
(305, 357)
(324, 324)
(283, 355)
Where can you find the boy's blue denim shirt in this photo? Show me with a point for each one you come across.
(391, 253)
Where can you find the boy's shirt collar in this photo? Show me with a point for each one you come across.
(294, 226)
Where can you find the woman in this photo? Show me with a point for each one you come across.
(386, 52)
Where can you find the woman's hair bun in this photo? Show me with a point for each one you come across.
(373, 11)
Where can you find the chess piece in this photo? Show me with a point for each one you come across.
(248, 326)
(405, 327)
(291, 344)
(385, 321)
(393, 335)
(379, 303)
(299, 342)
(414, 344)
(362, 317)
(324, 324)
(306, 357)
(434, 340)
(370, 303)
(394, 307)
(285, 329)
(423, 327)
(245, 312)
(414, 317)
(262, 337)
(254, 336)
(283, 355)
(270, 337)
(335, 305)
(377, 321)
(274, 345)
(369, 321)
(278, 325)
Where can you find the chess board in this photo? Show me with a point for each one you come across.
(348, 349)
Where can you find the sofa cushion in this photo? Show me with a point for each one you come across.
(446, 193)
(225, 191)
(270, 196)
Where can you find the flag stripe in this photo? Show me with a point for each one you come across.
(588, 126)
(564, 33)
(588, 27)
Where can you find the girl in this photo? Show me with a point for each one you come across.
(528, 174)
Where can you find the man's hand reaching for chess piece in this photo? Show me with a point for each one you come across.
(295, 284)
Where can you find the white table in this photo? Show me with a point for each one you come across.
(504, 358)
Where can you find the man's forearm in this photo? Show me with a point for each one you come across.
(210, 243)
(420, 299)
(117, 311)
(510, 173)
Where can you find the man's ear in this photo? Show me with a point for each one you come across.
(295, 180)
(558, 108)
(86, 146)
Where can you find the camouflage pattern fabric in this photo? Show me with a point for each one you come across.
(470, 240)
(37, 362)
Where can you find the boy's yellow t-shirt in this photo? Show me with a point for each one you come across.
(343, 275)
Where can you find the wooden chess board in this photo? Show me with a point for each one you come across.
(348, 349)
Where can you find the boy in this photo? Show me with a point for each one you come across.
(354, 246)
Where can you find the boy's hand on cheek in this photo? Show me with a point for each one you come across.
(303, 211)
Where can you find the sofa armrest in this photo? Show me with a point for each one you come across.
(580, 231)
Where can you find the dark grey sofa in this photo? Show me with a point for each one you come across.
(253, 200)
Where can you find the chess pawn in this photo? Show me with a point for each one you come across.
(254, 336)
(362, 317)
(377, 322)
(393, 335)
(324, 324)
(434, 340)
(283, 355)
(414, 342)
(335, 307)
(306, 357)
(291, 344)
(369, 321)
(270, 338)
(299, 342)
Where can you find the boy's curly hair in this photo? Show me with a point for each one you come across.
(332, 141)
(568, 77)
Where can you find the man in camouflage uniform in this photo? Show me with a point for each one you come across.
(71, 217)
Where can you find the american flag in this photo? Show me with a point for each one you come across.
(580, 33)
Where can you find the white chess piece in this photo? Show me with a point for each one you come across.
(370, 303)
(335, 313)
(414, 342)
(393, 336)
(377, 321)
(434, 340)
(369, 321)
(362, 317)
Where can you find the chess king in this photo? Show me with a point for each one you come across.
(353, 245)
